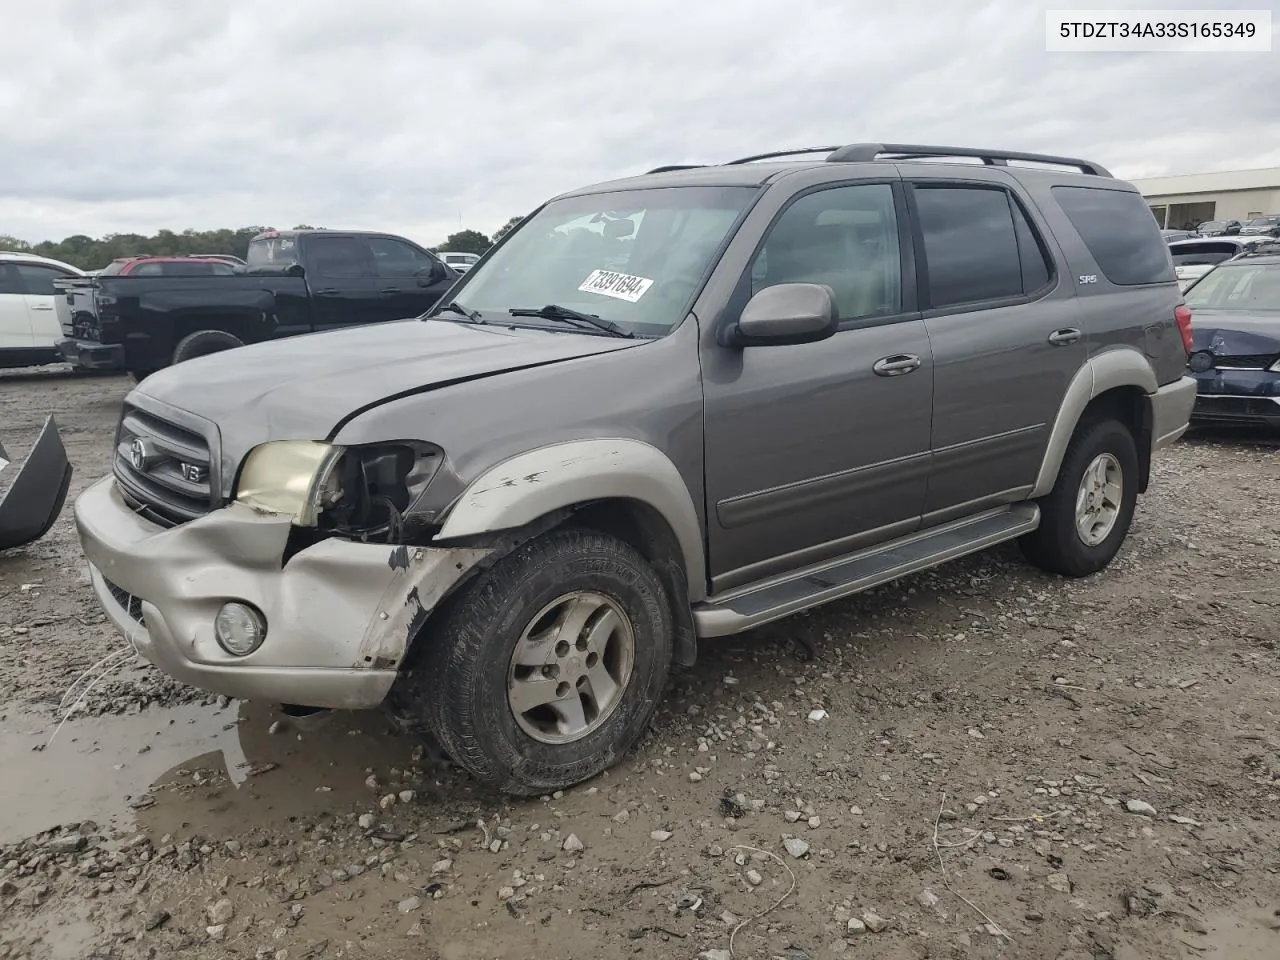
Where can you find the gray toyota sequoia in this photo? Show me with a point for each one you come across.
(660, 410)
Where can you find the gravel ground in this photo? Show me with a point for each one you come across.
(981, 761)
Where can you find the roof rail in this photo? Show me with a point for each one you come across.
(676, 166)
(862, 152)
(780, 153)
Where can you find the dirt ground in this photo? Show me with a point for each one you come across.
(978, 762)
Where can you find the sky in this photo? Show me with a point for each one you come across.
(420, 117)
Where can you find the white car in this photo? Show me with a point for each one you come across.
(1192, 259)
(29, 328)
(462, 262)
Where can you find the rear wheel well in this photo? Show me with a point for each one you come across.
(1132, 408)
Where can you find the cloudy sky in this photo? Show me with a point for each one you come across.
(416, 116)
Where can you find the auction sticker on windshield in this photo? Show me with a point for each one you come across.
(620, 286)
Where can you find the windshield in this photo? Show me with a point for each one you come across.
(632, 257)
(272, 251)
(1211, 225)
(1238, 286)
(1263, 222)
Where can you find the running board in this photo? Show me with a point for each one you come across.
(778, 597)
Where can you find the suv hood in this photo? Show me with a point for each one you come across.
(304, 387)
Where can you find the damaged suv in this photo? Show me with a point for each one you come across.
(661, 409)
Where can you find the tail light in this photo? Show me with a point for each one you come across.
(1182, 314)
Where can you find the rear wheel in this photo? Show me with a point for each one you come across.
(204, 342)
(549, 667)
(1085, 518)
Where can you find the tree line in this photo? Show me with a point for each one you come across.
(93, 253)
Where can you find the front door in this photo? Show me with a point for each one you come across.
(814, 450)
(1007, 338)
(341, 282)
(410, 280)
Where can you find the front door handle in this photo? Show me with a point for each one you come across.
(327, 292)
(896, 365)
(1064, 336)
(390, 291)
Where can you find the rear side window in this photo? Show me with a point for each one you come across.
(978, 245)
(1120, 233)
(340, 257)
(37, 279)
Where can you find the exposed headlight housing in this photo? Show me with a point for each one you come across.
(361, 491)
(292, 477)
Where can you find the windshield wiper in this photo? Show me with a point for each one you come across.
(553, 311)
(453, 306)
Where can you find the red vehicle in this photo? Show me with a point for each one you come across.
(168, 267)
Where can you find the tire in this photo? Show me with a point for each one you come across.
(204, 342)
(1058, 545)
(457, 688)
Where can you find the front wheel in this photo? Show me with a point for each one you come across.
(1085, 518)
(548, 669)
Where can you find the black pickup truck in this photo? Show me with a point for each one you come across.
(293, 281)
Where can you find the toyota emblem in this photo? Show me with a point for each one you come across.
(138, 454)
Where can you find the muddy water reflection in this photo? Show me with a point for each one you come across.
(101, 768)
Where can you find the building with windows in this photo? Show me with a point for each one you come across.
(1183, 201)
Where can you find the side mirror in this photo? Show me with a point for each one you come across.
(786, 313)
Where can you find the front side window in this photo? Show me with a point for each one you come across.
(971, 245)
(843, 237)
(394, 258)
(1254, 287)
(633, 257)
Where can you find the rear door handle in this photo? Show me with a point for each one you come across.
(42, 306)
(390, 290)
(1064, 336)
(896, 365)
(327, 292)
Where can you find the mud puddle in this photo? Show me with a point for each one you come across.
(110, 768)
(96, 766)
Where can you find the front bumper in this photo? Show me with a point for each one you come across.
(89, 355)
(1242, 396)
(340, 615)
(37, 494)
(1171, 411)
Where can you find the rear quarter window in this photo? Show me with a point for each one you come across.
(1120, 232)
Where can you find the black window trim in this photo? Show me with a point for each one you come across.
(906, 257)
(928, 311)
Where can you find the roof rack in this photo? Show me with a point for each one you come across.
(861, 152)
(866, 152)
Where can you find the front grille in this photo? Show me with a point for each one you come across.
(164, 470)
(131, 604)
(1257, 361)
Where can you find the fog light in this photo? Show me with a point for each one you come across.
(240, 629)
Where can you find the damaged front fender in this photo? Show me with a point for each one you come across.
(37, 493)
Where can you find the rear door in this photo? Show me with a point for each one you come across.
(1006, 335)
(40, 294)
(340, 277)
(15, 322)
(410, 280)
